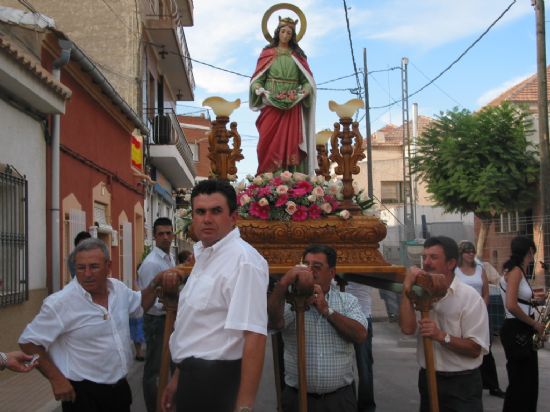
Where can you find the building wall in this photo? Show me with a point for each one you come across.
(96, 162)
(109, 34)
(196, 129)
(23, 146)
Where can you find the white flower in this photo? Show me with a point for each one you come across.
(267, 176)
(344, 214)
(244, 200)
(326, 207)
(363, 196)
(312, 198)
(183, 212)
(241, 186)
(286, 176)
(318, 191)
(250, 178)
(187, 197)
(258, 180)
(291, 207)
(333, 188)
(281, 189)
(263, 202)
(300, 177)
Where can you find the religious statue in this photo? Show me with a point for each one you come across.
(283, 90)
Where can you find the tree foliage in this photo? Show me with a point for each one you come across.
(479, 162)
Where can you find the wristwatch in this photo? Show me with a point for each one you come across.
(447, 339)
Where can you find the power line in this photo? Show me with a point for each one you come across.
(439, 88)
(359, 93)
(454, 61)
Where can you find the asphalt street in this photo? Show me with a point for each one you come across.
(395, 375)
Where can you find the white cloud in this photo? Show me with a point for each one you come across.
(219, 82)
(491, 94)
(432, 23)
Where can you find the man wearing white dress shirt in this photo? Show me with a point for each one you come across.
(220, 331)
(153, 321)
(459, 327)
(82, 335)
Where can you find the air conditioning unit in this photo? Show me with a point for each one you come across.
(162, 128)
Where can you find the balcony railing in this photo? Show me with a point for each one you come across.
(165, 130)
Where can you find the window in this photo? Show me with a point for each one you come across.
(14, 246)
(507, 222)
(391, 192)
(195, 149)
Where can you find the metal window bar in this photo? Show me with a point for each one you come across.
(14, 253)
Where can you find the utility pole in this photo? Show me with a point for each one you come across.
(370, 190)
(544, 178)
(408, 211)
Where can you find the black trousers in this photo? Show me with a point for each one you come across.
(208, 385)
(488, 371)
(342, 400)
(99, 397)
(522, 366)
(153, 328)
(456, 392)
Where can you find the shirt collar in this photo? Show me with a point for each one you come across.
(231, 236)
(160, 252)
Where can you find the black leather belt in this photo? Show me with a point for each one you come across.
(323, 395)
(454, 373)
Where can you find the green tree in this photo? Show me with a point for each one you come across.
(479, 162)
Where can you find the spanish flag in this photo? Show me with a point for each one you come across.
(137, 152)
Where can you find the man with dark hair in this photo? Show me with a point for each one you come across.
(332, 325)
(153, 321)
(219, 337)
(458, 325)
(77, 239)
(82, 333)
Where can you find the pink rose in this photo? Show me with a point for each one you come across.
(299, 177)
(344, 214)
(286, 176)
(281, 189)
(326, 208)
(318, 191)
(244, 199)
(291, 207)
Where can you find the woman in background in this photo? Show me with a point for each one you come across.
(518, 329)
(473, 274)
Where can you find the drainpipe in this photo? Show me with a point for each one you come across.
(62, 60)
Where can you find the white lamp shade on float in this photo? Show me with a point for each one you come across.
(347, 109)
(220, 106)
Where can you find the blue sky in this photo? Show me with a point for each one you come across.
(430, 33)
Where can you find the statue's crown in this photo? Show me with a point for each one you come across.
(287, 21)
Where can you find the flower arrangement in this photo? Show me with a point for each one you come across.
(287, 196)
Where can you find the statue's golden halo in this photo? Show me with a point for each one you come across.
(284, 6)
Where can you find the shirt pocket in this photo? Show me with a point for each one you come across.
(199, 294)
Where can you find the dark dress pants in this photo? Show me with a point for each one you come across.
(208, 385)
(456, 392)
(97, 397)
(153, 328)
(363, 355)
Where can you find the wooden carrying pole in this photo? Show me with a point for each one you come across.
(299, 307)
(427, 342)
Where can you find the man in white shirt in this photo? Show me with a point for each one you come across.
(220, 332)
(459, 326)
(82, 335)
(157, 261)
